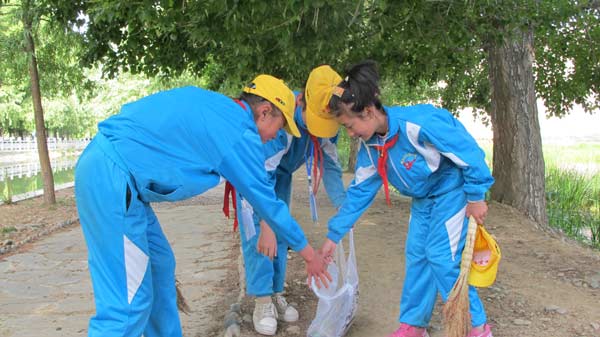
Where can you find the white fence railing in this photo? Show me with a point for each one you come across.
(30, 144)
(32, 169)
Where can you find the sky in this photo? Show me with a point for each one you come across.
(576, 127)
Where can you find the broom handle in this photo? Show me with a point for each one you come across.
(467, 255)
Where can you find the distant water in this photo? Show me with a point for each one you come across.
(22, 179)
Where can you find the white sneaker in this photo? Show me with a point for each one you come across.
(285, 311)
(265, 318)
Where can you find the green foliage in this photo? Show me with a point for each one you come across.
(57, 53)
(396, 91)
(422, 43)
(12, 58)
(69, 118)
(568, 64)
(448, 40)
(343, 147)
(573, 203)
(285, 38)
(13, 118)
(427, 50)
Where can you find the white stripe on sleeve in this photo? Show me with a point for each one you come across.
(364, 173)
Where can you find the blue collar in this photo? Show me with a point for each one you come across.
(246, 107)
(298, 118)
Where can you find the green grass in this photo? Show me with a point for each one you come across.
(6, 230)
(583, 153)
(573, 204)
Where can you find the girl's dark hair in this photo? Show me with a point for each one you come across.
(360, 90)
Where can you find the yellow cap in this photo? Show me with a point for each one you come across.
(319, 87)
(486, 257)
(275, 91)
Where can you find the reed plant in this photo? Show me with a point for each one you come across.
(573, 204)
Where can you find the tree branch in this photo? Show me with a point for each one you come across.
(355, 15)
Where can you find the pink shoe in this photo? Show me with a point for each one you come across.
(406, 330)
(487, 332)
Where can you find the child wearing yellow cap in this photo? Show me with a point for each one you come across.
(427, 154)
(265, 252)
(170, 146)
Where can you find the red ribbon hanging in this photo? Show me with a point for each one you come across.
(230, 191)
(318, 163)
(382, 167)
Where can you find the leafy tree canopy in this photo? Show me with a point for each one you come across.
(57, 51)
(417, 41)
(285, 38)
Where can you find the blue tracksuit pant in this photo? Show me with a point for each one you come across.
(436, 238)
(130, 261)
(263, 276)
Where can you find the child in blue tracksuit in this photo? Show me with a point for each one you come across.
(167, 147)
(265, 255)
(427, 154)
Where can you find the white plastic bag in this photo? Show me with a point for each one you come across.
(337, 304)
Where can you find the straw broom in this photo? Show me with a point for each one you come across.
(181, 302)
(457, 318)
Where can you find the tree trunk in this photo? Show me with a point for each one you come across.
(354, 146)
(518, 159)
(40, 130)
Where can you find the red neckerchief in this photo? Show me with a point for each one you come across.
(318, 163)
(382, 167)
(230, 190)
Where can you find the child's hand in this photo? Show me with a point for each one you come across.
(316, 267)
(328, 249)
(478, 210)
(267, 242)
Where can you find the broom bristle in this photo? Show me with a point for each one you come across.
(181, 302)
(456, 311)
(457, 318)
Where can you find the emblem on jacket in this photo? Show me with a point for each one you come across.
(408, 160)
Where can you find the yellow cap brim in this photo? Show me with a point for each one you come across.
(291, 126)
(323, 127)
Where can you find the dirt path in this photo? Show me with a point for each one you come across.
(547, 286)
(45, 285)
